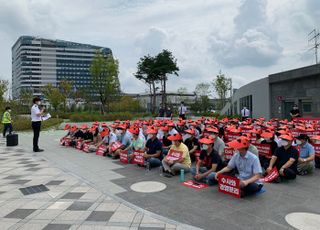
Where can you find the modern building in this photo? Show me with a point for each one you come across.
(37, 62)
(275, 95)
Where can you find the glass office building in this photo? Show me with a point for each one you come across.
(37, 62)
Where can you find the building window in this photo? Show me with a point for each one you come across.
(246, 102)
(306, 107)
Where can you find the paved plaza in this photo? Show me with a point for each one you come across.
(86, 191)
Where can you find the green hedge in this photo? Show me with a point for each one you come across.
(82, 117)
(24, 124)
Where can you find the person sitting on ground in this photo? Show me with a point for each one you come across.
(305, 161)
(166, 143)
(87, 134)
(104, 135)
(285, 159)
(172, 129)
(248, 166)
(153, 149)
(123, 136)
(137, 143)
(253, 149)
(192, 143)
(172, 166)
(219, 144)
(268, 140)
(316, 141)
(77, 135)
(210, 162)
(181, 127)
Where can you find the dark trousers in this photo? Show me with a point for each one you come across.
(317, 162)
(251, 189)
(36, 126)
(289, 174)
(7, 127)
(183, 116)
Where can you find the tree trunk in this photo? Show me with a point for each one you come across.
(154, 97)
(151, 98)
(164, 99)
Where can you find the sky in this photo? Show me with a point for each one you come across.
(246, 40)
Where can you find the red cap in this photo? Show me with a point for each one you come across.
(212, 130)
(207, 140)
(240, 143)
(134, 130)
(191, 131)
(175, 137)
(287, 137)
(84, 126)
(152, 130)
(105, 132)
(164, 128)
(67, 126)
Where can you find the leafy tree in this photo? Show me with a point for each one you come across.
(3, 89)
(202, 89)
(165, 64)
(221, 85)
(146, 73)
(25, 97)
(53, 95)
(65, 88)
(202, 103)
(105, 82)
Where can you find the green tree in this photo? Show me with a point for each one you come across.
(3, 89)
(221, 85)
(202, 103)
(53, 95)
(65, 88)
(165, 64)
(25, 100)
(104, 77)
(146, 73)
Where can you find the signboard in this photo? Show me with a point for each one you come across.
(231, 137)
(124, 158)
(228, 153)
(79, 145)
(85, 147)
(229, 185)
(138, 157)
(317, 149)
(274, 174)
(65, 141)
(264, 150)
(101, 150)
(174, 155)
(116, 145)
(194, 185)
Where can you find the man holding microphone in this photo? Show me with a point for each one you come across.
(36, 118)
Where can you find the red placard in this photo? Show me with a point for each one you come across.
(264, 149)
(174, 155)
(197, 155)
(67, 141)
(124, 158)
(232, 137)
(228, 153)
(274, 174)
(229, 185)
(194, 185)
(316, 149)
(62, 141)
(85, 147)
(101, 150)
(116, 145)
(79, 144)
(138, 157)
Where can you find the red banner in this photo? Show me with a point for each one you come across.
(174, 155)
(62, 141)
(138, 157)
(79, 145)
(229, 185)
(228, 153)
(264, 150)
(274, 174)
(124, 158)
(85, 147)
(231, 137)
(101, 150)
(67, 141)
(194, 185)
(317, 149)
(116, 145)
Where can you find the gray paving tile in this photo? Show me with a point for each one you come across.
(20, 181)
(73, 195)
(99, 216)
(31, 165)
(20, 213)
(12, 177)
(33, 169)
(57, 227)
(3, 159)
(79, 205)
(55, 182)
(150, 228)
(17, 154)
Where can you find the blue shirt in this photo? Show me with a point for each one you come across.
(306, 150)
(247, 166)
(153, 146)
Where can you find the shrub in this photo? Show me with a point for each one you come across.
(84, 117)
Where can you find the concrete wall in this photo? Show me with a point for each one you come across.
(260, 98)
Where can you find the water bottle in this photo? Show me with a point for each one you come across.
(147, 166)
(181, 175)
(161, 170)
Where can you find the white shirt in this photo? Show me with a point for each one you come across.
(182, 110)
(34, 111)
(173, 131)
(245, 112)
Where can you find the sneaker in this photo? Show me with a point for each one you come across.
(277, 180)
(167, 174)
(38, 150)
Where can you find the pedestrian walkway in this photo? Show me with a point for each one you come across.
(72, 201)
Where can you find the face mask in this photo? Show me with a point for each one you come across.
(149, 136)
(214, 136)
(100, 129)
(298, 142)
(118, 132)
(235, 151)
(204, 147)
(39, 103)
(284, 143)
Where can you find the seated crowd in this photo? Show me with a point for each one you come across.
(201, 147)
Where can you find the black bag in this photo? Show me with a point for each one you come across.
(12, 139)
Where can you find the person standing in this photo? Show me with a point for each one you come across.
(182, 111)
(245, 113)
(6, 121)
(36, 118)
(295, 112)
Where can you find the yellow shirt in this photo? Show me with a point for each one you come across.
(185, 153)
